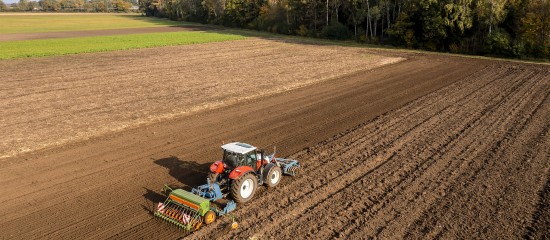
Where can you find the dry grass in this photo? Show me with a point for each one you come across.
(51, 101)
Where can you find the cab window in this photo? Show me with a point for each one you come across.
(251, 159)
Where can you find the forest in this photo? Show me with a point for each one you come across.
(504, 28)
(69, 6)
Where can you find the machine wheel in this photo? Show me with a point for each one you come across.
(273, 175)
(243, 188)
(209, 217)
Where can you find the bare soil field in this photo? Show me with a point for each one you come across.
(45, 103)
(429, 147)
(466, 161)
(91, 33)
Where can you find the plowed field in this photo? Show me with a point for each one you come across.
(51, 104)
(429, 147)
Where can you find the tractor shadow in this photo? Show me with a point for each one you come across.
(187, 173)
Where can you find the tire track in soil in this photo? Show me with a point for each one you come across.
(350, 187)
(487, 113)
(421, 172)
(499, 151)
(538, 229)
(426, 196)
(391, 150)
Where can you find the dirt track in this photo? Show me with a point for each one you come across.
(429, 147)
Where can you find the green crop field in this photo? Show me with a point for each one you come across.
(54, 47)
(29, 23)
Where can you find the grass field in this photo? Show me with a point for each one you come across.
(56, 47)
(29, 23)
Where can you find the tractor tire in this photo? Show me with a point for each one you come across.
(273, 175)
(243, 188)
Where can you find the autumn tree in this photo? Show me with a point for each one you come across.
(3, 6)
(491, 27)
(50, 5)
(121, 5)
(24, 5)
(535, 27)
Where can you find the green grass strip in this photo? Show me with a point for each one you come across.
(64, 46)
(32, 23)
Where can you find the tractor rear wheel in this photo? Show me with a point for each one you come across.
(273, 176)
(243, 188)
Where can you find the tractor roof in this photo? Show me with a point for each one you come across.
(238, 147)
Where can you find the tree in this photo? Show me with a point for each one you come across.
(374, 16)
(403, 30)
(71, 5)
(100, 5)
(3, 6)
(535, 27)
(50, 5)
(503, 27)
(121, 5)
(240, 13)
(215, 7)
(356, 14)
(458, 15)
(23, 5)
(491, 12)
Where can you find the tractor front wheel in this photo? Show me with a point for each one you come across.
(243, 188)
(273, 176)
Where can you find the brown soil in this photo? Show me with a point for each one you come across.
(430, 147)
(92, 94)
(93, 33)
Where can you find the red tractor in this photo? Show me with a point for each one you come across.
(243, 168)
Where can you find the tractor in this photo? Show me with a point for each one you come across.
(243, 168)
(238, 174)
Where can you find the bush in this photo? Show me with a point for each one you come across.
(302, 31)
(336, 31)
(498, 43)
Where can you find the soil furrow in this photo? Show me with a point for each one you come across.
(389, 189)
(316, 171)
(469, 175)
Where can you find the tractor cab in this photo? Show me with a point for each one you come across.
(241, 154)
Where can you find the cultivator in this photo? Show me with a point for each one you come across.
(237, 174)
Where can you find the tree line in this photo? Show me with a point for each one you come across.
(510, 28)
(70, 6)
